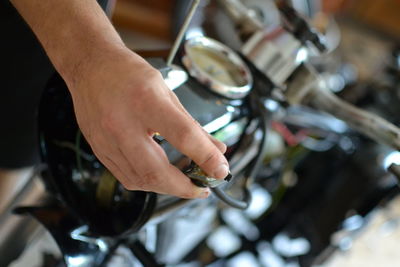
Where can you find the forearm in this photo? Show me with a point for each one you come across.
(72, 32)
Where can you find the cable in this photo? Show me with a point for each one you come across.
(253, 168)
(235, 203)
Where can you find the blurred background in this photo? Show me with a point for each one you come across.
(368, 47)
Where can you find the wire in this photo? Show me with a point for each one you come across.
(235, 203)
(251, 173)
(253, 168)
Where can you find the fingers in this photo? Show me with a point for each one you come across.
(189, 138)
(161, 177)
(154, 171)
(183, 187)
(117, 172)
(138, 162)
(116, 163)
(221, 146)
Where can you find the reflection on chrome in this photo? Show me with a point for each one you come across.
(176, 77)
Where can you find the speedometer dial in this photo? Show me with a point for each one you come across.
(217, 67)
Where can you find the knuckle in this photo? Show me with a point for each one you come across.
(220, 144)
(154, 74)
(189, 194)
(107, 122)
(208, 158)
(149, 180)
(223, 147)
(129, 185)
(110, 123)
(185, 134)
(143, 97)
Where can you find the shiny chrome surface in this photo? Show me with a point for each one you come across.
(242, 15)
(218, 67)
(175, 77)
(276, 53)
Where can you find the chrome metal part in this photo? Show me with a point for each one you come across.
(218, 67)
(308, 87)
(175, 77)
(266, 11)
(283, 59)
(182, 32)
(299, 26)
(242, 15)
(276, 53)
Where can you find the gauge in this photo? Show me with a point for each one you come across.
(217, 67)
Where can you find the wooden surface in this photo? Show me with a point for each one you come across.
(148, 17)
(381, 15)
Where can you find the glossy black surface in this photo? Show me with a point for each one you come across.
(75, 173)
(75, 243)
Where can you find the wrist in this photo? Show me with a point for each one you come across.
(102, 63)
(74, 67)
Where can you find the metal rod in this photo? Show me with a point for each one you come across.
(182, 32)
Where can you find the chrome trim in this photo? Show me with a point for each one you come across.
(232, 92)
(176, 77)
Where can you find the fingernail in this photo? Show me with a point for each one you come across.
(204, 194)
(222, 171)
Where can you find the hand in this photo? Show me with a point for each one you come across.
(120, 102)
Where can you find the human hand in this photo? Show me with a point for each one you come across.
(120, 102)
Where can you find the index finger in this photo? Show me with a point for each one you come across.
(155, 173)
(188, 137)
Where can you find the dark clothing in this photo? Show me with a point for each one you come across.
(24, 72)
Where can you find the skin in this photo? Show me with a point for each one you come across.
(120, 100)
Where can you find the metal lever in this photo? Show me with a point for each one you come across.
(182, 32)
(299, 27)
(307, 87)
